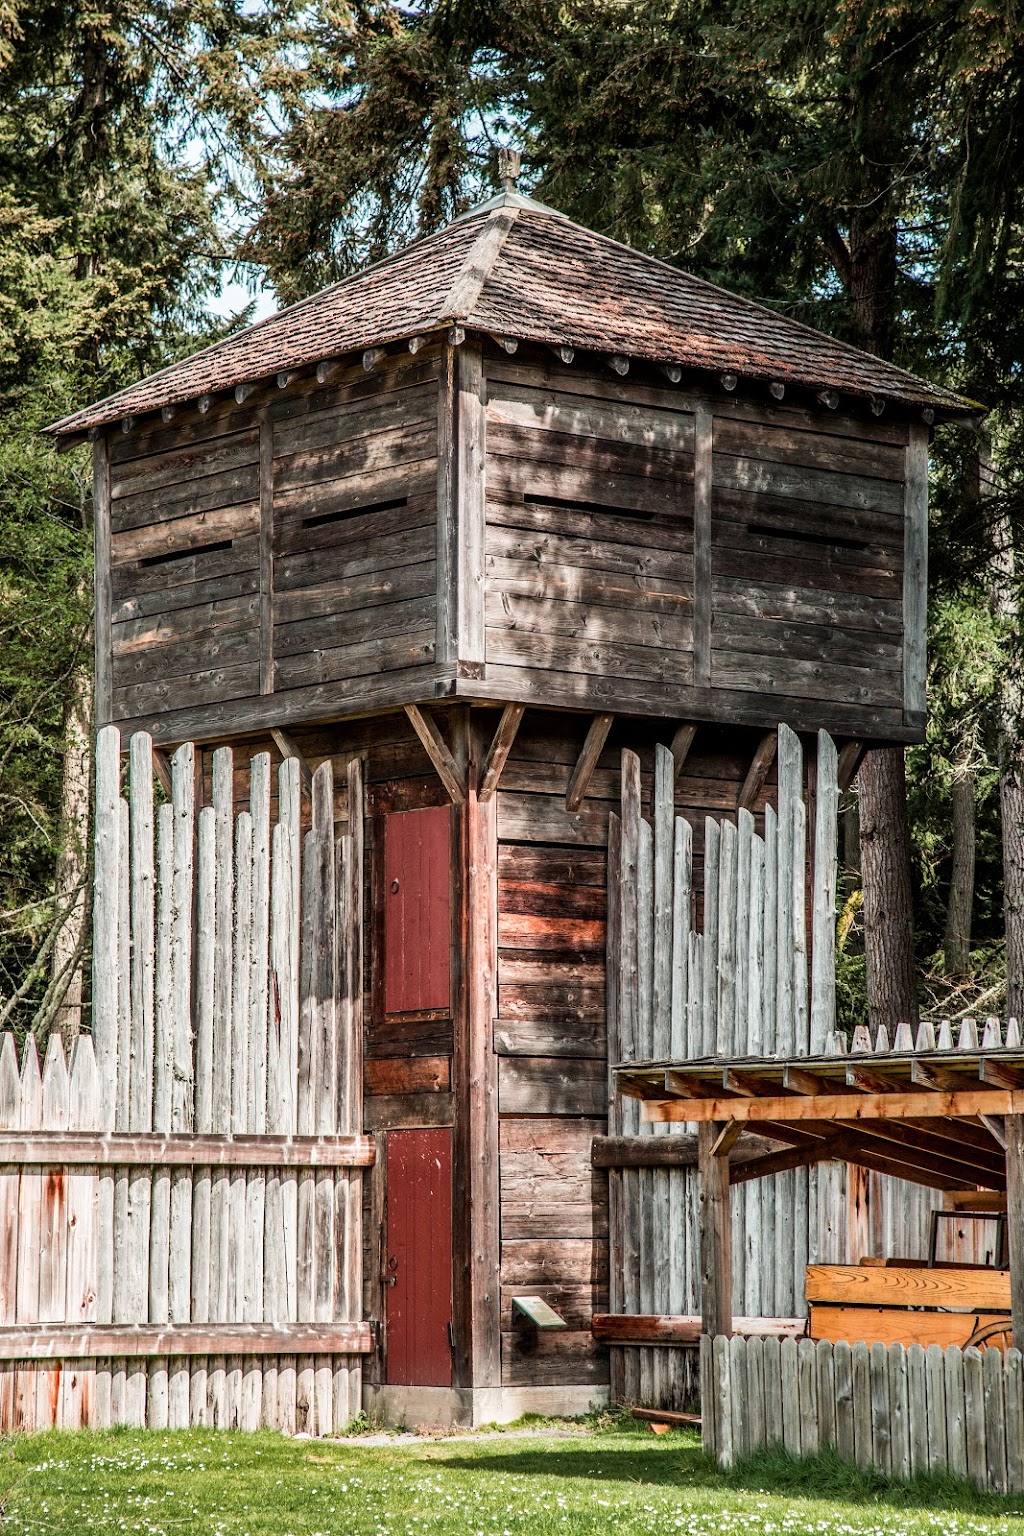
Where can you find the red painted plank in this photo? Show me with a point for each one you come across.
(418, 1260)
(417, 910)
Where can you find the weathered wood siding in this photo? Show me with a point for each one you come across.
(283, 546)
(589, 549)
(658, 552)
(807, 531)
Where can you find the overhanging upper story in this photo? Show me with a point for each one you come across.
(515, 463)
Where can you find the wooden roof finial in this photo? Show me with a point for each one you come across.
(509, 161)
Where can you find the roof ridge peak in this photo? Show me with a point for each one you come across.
(461, 298)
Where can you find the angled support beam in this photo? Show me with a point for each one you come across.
(587, 761)
(804, 1156)
(727, 1138)
(850, 758)
(682, 741)
(436, 748)
(287, 748)
(758, 770)
(498, 751)
(162, 769)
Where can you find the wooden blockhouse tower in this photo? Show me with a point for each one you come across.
(483, 515)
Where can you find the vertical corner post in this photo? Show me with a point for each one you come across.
(103, 619)
(702, 479)
(476, 1234)
(915, 576)
(715, 1237)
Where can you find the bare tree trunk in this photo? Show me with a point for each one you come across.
(1011, 744)
(72, 862)
(888, 901)
(957, 941)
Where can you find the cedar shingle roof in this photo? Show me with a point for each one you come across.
(515, 268)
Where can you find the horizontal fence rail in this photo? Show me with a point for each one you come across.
(181, 1199)
(903, 1411)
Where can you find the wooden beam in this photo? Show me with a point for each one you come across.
(593, 746)
(436, 748)
(674, 1151)
(804, 1156)
(967, 1103)
(866, 1081)
(682, 741)
(851, 756)
(140, 1149)
(287, 748)
(702, 474)
(758, 770)
(688, 1086)
(799, 1080)
(727, 1138)
(64, 1341)
(498, 751)
(676, 1328)
(715, 1232)
(998, 1075)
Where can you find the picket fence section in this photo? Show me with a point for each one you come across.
(751, 980)
(181, 1206)
(905, 1412)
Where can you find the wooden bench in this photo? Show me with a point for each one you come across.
(908, 1305)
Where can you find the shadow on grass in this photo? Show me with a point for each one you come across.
(676, 1464)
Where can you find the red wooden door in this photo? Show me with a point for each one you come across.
(417, 911)
(418, 1258)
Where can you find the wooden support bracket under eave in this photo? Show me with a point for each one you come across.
(597, 735)
(850, 758)
(287, 748)
(436, 748)
(498, 751)
(682, 741)
(758, 770)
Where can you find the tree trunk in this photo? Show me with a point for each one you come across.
(1011, 744)
(72, 862)
(888, 903)
(957, 942)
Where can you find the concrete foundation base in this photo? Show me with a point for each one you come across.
(470, 1407)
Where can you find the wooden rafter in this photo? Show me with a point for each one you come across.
(436, 748)
(592, 748)
(499, 749)
(758, 770)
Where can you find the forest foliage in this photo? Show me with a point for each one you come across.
(857, 164)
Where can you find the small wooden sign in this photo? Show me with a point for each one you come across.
(538, 1312)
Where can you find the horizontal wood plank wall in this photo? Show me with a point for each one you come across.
(590, 557)
(348, 581)
(589, 537)
(807, 560)
(902, 1411)
(235, 1025)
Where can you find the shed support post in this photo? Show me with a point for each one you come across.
(715, 1239)
(1014, 1131)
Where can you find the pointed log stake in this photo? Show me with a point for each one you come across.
(597, 735)
(437, 750)
(287, 748)
(758, 771)
(682, 741)
(501, 746)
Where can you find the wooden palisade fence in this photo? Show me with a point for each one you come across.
(904, 1411)
(750, 979)
(180, 1202)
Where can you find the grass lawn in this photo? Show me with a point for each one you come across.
(588, 1479)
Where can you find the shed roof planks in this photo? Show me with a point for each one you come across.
(517, 270)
